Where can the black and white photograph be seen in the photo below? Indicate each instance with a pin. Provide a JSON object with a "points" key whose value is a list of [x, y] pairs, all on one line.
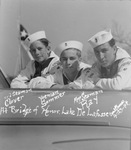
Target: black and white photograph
{"points": [[65, 74]]}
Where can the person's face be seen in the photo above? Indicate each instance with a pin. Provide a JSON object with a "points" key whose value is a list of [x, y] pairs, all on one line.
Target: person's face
{"points": [[105, 54], [70, 60], [39, 51]]}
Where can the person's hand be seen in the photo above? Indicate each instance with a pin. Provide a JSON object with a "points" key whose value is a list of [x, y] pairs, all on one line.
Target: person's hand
{"points": [[40, 83], [74, 85], [92, 74], [94, 79], [88, 85]]}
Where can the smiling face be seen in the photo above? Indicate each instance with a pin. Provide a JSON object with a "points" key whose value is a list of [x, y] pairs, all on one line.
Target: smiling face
{"points": [[70, 60], [105, 54], [39, 51]]}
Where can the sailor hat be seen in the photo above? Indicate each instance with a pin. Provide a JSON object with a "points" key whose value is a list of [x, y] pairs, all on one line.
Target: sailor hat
{"points": [[100, 38], [34, 37], [69, 44]]}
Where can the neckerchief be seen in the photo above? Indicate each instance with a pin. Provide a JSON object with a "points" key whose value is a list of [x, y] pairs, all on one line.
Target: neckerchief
{"points": [[67, 81], [41, 66]]}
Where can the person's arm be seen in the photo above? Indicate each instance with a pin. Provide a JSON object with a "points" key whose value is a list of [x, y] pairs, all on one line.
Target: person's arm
{"points": [[41, 82], [122, 78], [22, 80], [88, 78]]}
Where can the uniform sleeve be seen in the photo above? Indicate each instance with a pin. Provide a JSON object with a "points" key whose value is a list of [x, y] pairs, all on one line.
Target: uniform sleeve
{"points": [[90, 74], [21, 81], [121, 79], [58, 77], [41, 82], [54, 67]]}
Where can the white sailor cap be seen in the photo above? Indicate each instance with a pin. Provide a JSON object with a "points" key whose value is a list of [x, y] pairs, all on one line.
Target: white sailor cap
{"points": [[34, 37], [100, 38], [69, 44]]}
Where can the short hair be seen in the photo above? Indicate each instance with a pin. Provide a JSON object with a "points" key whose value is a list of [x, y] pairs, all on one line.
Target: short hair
{"points": [[78, 51], [112, 42], [45, 42]]}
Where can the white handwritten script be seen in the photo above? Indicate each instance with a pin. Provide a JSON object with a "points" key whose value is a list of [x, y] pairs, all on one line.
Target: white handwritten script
{"points": [[11, 99], [52, 97], [87, 101], [45, 102], [84, 104]]}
